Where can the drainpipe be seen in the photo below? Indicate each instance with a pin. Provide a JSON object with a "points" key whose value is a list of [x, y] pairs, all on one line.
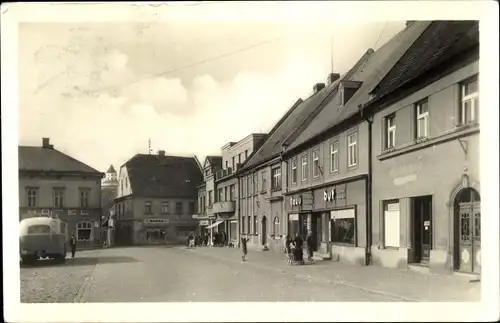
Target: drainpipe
{"points": [[368, 188]]}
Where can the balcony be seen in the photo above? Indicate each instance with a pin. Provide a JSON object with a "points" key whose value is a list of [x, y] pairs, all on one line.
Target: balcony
{"points": [[224, 207]]}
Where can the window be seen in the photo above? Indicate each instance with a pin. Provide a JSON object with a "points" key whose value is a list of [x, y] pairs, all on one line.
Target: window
{"points": [[315, 163], [84, 197], [221, 195], [276, 225], [264, 186], [390, 128], [294, 171], [304, 168], [470, 101], [249, 182], [352, 154], [164, 207], [234, 164], [226, 165], [58, 197], [276, 174], [226, 197], [334, 157], [391, 224], [210, 198], [255, 183], [191, 208], [239, 158], [84, 231], [246, 154], [422, 113], [255, 225], [249, 219], [343, 226], [39, 229], [178, 208], [126, 182], [148, 208], [243, 187], [32, 194]]}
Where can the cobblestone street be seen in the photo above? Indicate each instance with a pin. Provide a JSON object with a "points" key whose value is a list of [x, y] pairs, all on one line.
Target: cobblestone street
{"points": [[157, 274]]}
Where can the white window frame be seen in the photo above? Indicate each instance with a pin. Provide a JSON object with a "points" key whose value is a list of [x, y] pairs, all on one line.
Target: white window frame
{"points": [[294, 171], [58, 198], [32, 196], [276, 178], [352, 154], [165, 205], [304, 170], [83, 225], [84, 197], [422, 116], [146, 205], [315, 163], [469, 98], [334, 156], [390, 141]]}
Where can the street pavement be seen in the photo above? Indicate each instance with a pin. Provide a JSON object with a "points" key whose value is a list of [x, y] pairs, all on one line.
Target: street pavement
{"points": [[178, 274]]}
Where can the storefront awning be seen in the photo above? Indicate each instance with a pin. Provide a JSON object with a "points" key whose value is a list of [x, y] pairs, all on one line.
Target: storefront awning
{"points": [[214, 224]]}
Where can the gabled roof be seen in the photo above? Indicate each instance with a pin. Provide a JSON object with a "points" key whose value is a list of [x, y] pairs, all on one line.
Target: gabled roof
{"points": [[164, 176], [370, 74], [50, 159], [440, 42], [215, 161], [111, 170]]}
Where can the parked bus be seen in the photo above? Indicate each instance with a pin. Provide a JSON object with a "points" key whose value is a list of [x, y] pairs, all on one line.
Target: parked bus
{"points": [[42, 237]]}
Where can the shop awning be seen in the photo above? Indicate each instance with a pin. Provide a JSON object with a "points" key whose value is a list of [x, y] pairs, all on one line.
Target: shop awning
{"points": [[214, 224]]}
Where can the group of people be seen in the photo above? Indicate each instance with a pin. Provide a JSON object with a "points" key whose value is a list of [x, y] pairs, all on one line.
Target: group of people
{"points": [[219, 239], [294, 247]]}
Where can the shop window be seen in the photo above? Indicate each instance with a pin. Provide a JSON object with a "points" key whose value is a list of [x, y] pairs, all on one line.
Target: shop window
{"points": [[276, 225], [343, 226], [84, 231], [391, 224], [32, 193], [293, 225]]}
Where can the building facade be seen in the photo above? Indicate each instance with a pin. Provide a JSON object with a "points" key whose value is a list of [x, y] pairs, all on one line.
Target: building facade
{"points": [[157, 198], [109, 191], [426, 190], [208, 220], [52, 183]]}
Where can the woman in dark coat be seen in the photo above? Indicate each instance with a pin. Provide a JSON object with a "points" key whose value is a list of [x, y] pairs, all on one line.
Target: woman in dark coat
{"points": [[299, 243]]}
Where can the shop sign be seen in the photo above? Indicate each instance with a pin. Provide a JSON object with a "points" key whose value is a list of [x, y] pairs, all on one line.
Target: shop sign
{"points": [[154, 221], [204, 222], [295, 201], [333, 195]]}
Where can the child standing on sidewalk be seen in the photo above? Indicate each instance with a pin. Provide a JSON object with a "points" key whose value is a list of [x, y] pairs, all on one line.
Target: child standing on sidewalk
{"points": [[244, 247]]}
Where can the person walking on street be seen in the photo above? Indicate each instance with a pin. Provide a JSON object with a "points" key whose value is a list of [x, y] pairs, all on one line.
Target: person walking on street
{"points": [[244, 247], [309, 242], [72, 244]]}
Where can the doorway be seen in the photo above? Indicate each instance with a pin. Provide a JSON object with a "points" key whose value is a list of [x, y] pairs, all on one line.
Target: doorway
{"points": [[467, 231], [422, 229], [316, 230], [264, 230]]}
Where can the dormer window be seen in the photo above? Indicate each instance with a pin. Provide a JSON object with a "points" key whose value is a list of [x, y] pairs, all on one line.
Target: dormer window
{"points": [[347, 90]]}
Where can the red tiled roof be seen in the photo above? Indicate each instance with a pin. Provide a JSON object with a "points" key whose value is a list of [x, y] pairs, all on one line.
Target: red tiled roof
{"points": [[164, 176], [50, 159]]}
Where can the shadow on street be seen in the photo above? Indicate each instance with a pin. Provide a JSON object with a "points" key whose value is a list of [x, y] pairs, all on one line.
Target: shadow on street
{"points": [[83, 261]]}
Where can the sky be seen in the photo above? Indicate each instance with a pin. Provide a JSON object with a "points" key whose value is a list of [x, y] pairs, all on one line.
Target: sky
{"points": [[101, 90]]}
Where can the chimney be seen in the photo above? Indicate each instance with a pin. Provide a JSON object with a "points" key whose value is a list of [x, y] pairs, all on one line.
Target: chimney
{"points": [[46, 143], [332, 77], [318, 87], [409, 23], [161, 152]]}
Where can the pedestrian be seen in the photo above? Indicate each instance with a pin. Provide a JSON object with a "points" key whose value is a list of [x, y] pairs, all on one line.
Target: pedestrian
{"points": [[244, 248], [298, 253], [309, 242], [288, 243], [72, 244]]}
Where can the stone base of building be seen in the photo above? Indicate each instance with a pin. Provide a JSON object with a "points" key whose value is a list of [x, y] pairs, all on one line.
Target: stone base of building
{"points": [[390, 258], [349, 255]]}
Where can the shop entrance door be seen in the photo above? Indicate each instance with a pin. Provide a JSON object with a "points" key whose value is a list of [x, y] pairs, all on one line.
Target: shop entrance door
{"points": [[467, 230], [264, 230], [422, 229], [316, 230]]}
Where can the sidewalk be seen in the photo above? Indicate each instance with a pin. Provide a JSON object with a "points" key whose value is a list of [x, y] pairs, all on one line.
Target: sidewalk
{"points": [[397, 284]]}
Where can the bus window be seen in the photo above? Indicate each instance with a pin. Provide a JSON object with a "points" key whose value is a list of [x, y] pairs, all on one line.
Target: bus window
{"points": [[63, 228], [39, 228]]}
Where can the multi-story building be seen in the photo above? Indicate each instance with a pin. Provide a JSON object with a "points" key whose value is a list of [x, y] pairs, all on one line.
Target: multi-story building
{"points": [[207, 219], [52, 183], [327, 193], [157, 197], [426, 192], [225, 208]]}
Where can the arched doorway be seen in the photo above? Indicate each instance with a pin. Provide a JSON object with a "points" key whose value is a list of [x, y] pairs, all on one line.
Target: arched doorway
{"points": [[264, 230], [467, 231]]}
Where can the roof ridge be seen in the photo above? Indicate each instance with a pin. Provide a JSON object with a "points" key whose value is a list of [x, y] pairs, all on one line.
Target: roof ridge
{"points": [[78, 161]]}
